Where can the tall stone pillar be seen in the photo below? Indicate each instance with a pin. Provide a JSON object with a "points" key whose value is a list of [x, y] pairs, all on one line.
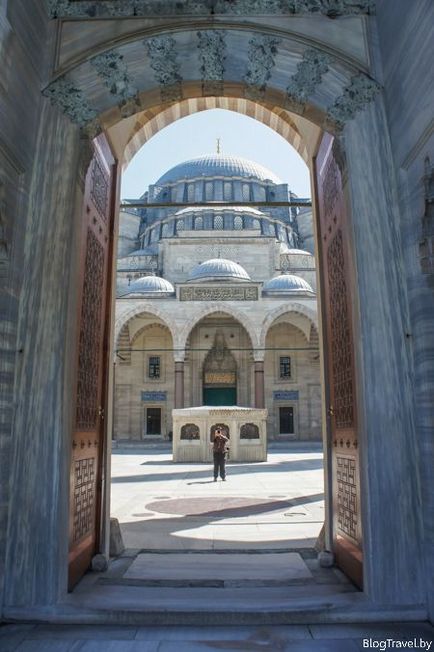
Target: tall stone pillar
{"points": [[179, 384], [259, 384]]}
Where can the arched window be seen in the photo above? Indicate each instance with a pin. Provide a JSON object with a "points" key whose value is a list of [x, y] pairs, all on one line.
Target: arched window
{"points": [[256, 224], [198, 223], [209, 190], [261, 194], [180, 226], [218, 223], [238, 223], [190, 192], [167, 229], [154, 234], [227, 191], [246, 192]]}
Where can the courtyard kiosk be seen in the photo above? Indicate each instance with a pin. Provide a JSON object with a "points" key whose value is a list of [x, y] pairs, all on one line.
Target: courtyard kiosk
{"points": [[193, 432]]}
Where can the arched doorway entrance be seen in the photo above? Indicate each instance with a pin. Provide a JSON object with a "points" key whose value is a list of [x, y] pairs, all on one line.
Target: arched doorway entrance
{"points": [[360, 166]]}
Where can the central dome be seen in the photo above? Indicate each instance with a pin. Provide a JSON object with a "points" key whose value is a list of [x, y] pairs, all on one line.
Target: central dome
{"points": [[219, 269], [218, 165]]}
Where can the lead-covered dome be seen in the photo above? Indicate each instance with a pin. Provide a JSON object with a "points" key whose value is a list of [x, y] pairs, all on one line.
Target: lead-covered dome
{"points": [[219, 269], [287, 284], [154, 285], [218, 165]]}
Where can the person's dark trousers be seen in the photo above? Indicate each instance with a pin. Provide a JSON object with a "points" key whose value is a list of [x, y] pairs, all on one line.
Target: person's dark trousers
{"points": [[219, 465]]}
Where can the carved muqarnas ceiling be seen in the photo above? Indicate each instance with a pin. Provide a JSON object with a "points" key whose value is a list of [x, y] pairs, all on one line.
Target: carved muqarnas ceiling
{"points": [[143, 8]]}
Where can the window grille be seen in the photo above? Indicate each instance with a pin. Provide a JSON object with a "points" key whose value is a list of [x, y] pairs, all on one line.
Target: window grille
{"points": [[227, 191], [261, 193], [180, 226], [190, 192], [285, 367], [218, 223], [238, 222], [209, 190], [198, 223], [246, 192], [154, 366]]}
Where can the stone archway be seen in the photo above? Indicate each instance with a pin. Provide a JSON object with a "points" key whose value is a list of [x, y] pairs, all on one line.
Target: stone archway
{"points": [[345, 102]]}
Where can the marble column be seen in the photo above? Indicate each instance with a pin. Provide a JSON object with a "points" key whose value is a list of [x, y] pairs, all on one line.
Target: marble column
{"points": [[259, 384], [179, 384]]}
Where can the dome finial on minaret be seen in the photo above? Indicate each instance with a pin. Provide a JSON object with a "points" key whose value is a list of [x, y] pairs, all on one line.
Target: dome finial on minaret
{"points": [[218, 145]]}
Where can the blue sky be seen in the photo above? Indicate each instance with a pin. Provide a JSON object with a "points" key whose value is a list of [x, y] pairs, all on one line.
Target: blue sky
{"points": [[196, 135]]}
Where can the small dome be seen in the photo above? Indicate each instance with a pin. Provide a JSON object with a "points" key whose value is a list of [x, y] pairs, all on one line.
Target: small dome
{"points": [[151, 285], [298, 252], [287, 284], [219, 269]]}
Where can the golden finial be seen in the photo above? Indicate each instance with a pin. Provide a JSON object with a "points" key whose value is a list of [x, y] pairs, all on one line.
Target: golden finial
{"points": [[218, 145]]}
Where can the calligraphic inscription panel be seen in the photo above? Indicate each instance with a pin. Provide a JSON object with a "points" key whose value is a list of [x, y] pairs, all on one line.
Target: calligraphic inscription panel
{"points": [[220, 378], [218, 294]]}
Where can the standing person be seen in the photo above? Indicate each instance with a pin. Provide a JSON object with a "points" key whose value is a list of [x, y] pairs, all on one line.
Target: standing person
{"points": [[220, 446]]}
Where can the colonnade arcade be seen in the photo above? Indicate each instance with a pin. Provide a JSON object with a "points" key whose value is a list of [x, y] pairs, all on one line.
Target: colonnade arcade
{"points": [[219, 357]]}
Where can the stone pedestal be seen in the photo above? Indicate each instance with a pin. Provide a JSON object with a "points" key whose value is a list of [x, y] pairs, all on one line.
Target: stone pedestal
{"points": [[192, 433]]}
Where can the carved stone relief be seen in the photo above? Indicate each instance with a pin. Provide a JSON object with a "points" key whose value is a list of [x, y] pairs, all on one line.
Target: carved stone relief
{"points": [[309, 74], [113, 70], [125, 8], [163, 60], [360, 92], [70, 100], [212, 54], [261, 53]]}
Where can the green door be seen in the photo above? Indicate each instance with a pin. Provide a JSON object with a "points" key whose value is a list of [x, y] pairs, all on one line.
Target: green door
{"points": [[220, 396]]}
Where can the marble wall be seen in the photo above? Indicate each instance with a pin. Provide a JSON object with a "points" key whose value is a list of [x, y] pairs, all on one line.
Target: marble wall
{"points": [[406, 47], [23, 33]]}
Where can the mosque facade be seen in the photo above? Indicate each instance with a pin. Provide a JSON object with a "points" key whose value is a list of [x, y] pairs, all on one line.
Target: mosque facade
{"points": [[216, 305]]}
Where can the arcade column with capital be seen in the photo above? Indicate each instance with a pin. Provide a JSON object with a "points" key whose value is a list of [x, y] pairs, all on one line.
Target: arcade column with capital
{"points": [[179, 384], [259, 384]]}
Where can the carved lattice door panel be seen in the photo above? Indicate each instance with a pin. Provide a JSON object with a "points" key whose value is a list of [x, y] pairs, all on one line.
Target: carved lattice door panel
{"points": [[93, 320], [333, 238]]}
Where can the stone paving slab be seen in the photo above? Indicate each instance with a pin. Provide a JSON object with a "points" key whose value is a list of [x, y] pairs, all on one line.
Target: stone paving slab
{"points": [[293, 638], [162, 505], [284, 567]]}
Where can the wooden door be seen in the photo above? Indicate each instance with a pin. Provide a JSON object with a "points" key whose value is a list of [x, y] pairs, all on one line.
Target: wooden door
{"points": [[92, 365], [337, 281]]}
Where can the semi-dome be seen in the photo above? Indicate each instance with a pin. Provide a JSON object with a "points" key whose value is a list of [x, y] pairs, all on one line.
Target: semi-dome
{"points": [[151, 285], [218, 165], [287, 284], [219, 269]]}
